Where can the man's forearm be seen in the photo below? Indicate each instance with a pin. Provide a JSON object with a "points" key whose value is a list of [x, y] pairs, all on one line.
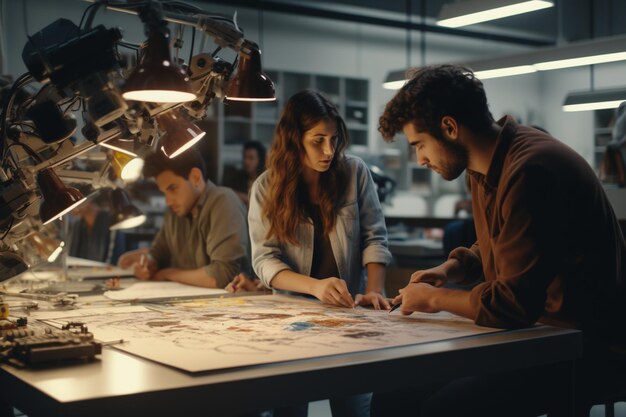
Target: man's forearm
{"points": [[197, 277], [453, 301]]}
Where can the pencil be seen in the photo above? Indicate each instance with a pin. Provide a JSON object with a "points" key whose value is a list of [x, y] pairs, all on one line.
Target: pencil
{"points": [[395, 307]]}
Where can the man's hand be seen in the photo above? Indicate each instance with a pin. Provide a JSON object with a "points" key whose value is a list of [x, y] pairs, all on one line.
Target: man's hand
{"points": [[145, 269], [375, 299], [434, 276], [417, 297], [243, 283], [333, 291], [127, 259]]}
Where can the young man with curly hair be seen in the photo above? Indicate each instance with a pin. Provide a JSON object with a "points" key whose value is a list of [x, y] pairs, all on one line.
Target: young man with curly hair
{"points": [[548, 244]]}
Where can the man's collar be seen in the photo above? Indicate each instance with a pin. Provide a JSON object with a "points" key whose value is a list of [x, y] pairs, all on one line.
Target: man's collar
{"points": [[202, 197], [503, 143]]}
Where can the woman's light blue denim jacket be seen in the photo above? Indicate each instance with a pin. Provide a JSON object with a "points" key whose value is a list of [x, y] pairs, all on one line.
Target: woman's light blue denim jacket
{"points": [[359, 236]]}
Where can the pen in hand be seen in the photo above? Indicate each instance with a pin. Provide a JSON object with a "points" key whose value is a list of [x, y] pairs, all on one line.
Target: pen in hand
{"points": [[395, 307]]}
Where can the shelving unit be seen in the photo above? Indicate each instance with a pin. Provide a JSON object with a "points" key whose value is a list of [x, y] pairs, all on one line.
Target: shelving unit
{"points": [[602, 134], [237, 122]]}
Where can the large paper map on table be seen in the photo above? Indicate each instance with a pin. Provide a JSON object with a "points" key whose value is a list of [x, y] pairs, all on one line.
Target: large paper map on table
{"points": [[221, 333]]}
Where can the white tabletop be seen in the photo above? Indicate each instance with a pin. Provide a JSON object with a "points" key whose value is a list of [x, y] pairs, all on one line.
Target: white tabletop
{"points": [[124, 385]]}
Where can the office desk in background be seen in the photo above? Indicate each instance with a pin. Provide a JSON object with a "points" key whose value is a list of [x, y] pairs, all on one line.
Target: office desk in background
{"points": [[120, 384]]}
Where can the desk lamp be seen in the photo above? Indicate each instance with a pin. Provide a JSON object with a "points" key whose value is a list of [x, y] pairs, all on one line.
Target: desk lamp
{"points": [[58, 199], [126, 214], [250, 83], [180, 134]]}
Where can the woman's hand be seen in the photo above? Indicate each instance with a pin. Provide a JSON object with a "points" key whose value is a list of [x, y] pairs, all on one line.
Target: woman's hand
{"points": [[333, 291], [374, 299]]}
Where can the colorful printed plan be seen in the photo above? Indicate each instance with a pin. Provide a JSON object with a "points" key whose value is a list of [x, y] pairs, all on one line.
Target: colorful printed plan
{"points": [[221, 333]]}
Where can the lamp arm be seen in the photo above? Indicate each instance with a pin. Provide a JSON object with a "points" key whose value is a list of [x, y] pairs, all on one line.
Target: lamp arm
{"points": [[65, 155], [223, 29], [6, 109]]}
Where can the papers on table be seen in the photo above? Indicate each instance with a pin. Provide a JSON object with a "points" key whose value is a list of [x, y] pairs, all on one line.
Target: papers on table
{"points": [[81, 262], [151, 290]]}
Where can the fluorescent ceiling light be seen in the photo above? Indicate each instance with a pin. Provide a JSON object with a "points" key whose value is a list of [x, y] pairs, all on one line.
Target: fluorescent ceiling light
{"points": [[395, 80], [394, 85], [504, 72], [594, 100], [585, 60], [596, 51], [464, 13]]}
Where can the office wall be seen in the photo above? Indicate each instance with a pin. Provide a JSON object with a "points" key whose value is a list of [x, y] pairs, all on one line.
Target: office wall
{"points": [[314, 45], [576, 129]]}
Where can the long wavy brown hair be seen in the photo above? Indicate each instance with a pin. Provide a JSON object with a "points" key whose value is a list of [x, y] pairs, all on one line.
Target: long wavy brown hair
{"points": [[287, 199]]}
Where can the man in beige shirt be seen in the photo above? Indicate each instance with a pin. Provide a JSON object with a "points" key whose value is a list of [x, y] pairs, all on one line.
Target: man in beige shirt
{"points": [[204, 238]]}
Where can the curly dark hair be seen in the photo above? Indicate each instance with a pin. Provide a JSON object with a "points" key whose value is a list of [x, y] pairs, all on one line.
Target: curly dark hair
{"points": [[433, 92], [156, 162]]}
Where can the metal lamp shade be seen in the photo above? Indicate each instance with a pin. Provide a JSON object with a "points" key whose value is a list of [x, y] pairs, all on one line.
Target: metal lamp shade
{"points": [[157, 79], [180, 134], [120, 145], [58, 199], [126, 167], [126, 214], [11, 264], [250, 83]]}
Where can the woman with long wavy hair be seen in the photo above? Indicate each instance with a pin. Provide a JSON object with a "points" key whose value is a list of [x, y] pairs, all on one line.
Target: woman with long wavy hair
{"points": [[316, 225], [315, 219]]}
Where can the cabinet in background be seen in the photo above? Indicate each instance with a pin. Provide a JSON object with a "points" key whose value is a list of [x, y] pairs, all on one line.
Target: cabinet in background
{"points": [[603, 121]]}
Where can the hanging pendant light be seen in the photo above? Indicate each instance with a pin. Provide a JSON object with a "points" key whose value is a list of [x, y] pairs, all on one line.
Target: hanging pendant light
{"points": [[58, 199], [119, 145], [250, 83], [180, 133], [157, 79], [609, 98], [11, 265], [126, 167], [126, 215], [470, 12]]}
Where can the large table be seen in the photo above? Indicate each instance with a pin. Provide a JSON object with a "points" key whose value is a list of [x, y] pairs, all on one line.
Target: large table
{"points": [[120, 384]]}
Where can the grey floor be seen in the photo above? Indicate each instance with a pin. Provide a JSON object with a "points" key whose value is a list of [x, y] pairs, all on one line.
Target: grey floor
{"points": [[322, 409], [598, 410], [319, 409]]}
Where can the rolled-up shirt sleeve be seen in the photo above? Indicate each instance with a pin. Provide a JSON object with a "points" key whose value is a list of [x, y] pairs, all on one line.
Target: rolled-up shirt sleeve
{"points": [[528, 247], [470, 261], [266, 252], [371, 219], [226, 243]]}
